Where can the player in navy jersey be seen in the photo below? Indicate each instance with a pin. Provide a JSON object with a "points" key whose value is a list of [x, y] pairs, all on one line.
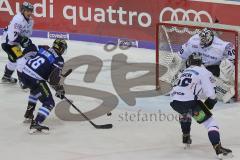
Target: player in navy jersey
{"points": [[45, 67]]}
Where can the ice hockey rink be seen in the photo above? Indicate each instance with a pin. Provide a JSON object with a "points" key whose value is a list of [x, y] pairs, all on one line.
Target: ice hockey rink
{"points": [[136, 140]]}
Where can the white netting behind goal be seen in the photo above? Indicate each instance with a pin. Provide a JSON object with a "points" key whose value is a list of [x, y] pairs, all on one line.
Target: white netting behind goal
{"points": [[172, 35]]}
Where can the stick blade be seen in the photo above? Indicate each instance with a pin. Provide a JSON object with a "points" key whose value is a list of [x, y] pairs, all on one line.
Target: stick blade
{"points": [[105, 126], [67, 73]]}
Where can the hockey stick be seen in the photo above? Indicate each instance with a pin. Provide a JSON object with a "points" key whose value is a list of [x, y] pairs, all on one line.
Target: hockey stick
{"points": [[67, 73], [105, 126]]}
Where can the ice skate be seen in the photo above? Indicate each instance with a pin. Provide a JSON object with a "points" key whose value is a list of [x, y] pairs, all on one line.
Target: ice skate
{"points": [[9, 80], [222, 153], [35, 127], [29, 114], [186, 139]]}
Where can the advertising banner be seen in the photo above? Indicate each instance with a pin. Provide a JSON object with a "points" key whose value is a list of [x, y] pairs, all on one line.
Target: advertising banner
{"points": [[133, 19]]}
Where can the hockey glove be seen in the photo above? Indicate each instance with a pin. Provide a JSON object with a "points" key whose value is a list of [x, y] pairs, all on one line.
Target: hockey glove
{"points": [[60, 92], [25, 42], [210, 103]]}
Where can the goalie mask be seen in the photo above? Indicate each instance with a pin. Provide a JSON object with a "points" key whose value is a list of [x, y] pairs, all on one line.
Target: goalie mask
{"points": [[60, 46], [206, 37], [194, 59]]}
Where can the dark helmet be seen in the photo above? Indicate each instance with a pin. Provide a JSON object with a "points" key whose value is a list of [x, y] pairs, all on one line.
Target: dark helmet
{"points": [[26, 6], [60, 46], [194, 59], [206, 37]]}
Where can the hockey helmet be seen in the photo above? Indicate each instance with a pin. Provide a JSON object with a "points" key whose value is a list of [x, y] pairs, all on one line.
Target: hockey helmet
{"points": [[60, 46], [206, 37], [26, 6], [194, 59]]}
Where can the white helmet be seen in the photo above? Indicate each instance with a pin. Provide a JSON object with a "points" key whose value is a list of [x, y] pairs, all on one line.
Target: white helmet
{"points": [[26, 6]]}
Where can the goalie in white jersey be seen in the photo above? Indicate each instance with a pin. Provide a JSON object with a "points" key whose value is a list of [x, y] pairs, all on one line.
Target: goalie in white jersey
{"points": [[218, 57], [213, 50], [15, 36], [194, 81]]}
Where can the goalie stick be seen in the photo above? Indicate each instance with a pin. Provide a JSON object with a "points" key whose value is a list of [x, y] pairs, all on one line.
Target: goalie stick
{"points": [[104, 126]]}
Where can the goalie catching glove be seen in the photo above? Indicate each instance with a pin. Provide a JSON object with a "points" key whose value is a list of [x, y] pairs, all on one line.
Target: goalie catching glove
{"points": [[225, 83]]}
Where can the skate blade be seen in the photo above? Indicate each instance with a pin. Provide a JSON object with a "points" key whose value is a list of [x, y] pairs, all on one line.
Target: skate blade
{"points": [[187, 146], [27, 121], [37, 132], [167, 95], [228, 156], [25, 90], [13, 83]]}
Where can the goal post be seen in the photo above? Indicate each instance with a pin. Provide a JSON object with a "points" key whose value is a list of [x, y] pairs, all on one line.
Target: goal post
{"points": [[170, 36]]}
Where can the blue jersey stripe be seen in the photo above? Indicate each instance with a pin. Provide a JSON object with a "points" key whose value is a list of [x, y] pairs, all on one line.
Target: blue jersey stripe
{"points": [[47, 55]]}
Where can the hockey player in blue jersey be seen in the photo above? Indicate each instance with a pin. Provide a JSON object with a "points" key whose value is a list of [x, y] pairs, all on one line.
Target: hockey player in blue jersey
{"points": [[45, 67]]}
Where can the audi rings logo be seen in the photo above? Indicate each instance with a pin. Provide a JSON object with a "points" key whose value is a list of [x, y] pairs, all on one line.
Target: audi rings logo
{"points": [[180, 14]]}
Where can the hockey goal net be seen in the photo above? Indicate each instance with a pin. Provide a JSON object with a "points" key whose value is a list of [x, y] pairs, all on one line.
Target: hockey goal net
{"points": [[172, 35]]}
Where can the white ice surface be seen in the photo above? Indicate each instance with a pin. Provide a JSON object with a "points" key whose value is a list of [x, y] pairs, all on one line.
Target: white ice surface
{"points": [[159, 140]]}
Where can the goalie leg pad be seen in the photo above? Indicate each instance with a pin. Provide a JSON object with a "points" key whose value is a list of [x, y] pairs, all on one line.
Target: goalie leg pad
{"points": [[224, 91], [227, 71]]}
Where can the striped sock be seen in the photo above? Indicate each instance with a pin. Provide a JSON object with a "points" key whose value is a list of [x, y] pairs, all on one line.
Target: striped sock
{"points": [[43, 113], [32, 99]]}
